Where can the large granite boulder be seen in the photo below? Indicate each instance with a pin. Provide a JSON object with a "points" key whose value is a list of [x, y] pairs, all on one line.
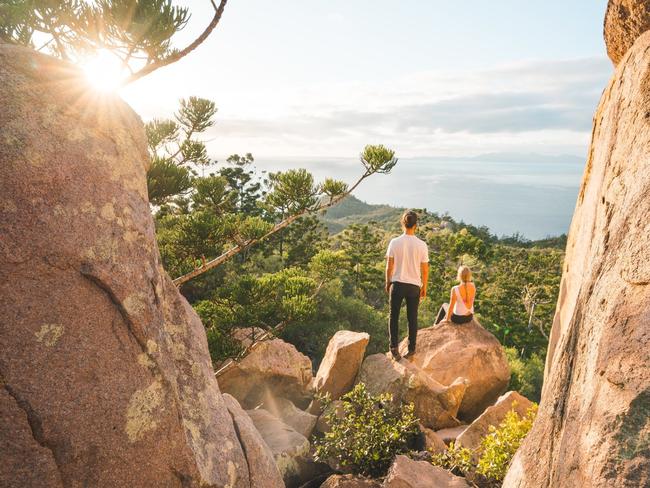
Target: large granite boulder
{"points": [[262, 469], [273, 368], [435, 405], [407, 473], [493, 416], [105, 370], [625, 21], [592, 426], [289, 448], [447, 351], [341, 363]]}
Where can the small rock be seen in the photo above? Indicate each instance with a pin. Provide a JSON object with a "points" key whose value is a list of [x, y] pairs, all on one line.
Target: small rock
{"points": [[322, 425], [432, 441], [406, 473], [301, 421], [350, 481], [289, 447], [451, 434]]}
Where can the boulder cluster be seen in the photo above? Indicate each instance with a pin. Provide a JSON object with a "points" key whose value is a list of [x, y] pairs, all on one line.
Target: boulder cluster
{"points": [[454, 382]]}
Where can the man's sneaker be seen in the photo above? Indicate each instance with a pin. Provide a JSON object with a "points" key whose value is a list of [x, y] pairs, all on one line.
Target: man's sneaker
{"points": [[395, 353], [409, 355]]}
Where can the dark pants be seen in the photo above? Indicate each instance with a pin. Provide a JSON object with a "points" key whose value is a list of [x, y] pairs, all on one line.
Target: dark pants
{"points": [[456, 319], [398, 293]]}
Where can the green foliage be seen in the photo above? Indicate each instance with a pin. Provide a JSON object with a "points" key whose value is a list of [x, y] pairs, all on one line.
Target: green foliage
{"points": [[456, 459], [526, 374], [378, 159], [500, 445], [495, 452], [175, 150], [140, 30], [369, 434]]}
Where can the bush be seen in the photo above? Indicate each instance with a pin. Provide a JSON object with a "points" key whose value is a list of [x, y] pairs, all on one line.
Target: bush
{"points": [[369, 434], [500, 445], [456, 459], [495, 452], [526, 374]]}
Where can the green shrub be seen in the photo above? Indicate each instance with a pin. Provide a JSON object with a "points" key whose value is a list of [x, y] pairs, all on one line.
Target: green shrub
{"points": [[494, 453], [526, 374], [499, 446], [369, 434], [456, 459]]}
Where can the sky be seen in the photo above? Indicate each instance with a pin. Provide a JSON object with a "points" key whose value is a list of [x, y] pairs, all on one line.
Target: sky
{"points": [[438, 78]]}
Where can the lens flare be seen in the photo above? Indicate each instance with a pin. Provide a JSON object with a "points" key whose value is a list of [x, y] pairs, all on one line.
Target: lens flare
{"points": [[104, 71]]}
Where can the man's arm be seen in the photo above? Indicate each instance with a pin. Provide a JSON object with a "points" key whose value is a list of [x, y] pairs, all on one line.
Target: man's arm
{"points": [[390, 267], [424, 272]]}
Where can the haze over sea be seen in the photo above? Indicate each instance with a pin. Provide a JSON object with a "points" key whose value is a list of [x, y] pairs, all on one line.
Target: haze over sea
{"points": [[527, 194]]}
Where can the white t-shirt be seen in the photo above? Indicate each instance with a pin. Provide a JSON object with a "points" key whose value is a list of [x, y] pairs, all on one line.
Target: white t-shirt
{"points": [[409, 253]]}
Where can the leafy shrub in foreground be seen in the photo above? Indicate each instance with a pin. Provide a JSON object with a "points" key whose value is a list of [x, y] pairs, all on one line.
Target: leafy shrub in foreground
{"points": [[369, 434], [500, 445], [495, 452]]}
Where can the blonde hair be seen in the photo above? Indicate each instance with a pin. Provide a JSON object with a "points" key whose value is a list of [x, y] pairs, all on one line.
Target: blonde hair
{"points": [[464, 274]]}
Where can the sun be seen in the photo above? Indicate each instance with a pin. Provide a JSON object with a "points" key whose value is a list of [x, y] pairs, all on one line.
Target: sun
{"points": [[104, 71]]}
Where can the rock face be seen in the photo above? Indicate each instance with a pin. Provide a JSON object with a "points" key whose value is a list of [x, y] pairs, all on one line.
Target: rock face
{"points": [[272, 369], [435, 405], [105, 371], [406, 473], [447, 351], [349, 481], [341, 363], [299, 420], [592, 427], [625, 21], [287, 445], [493, 415], [262, 470]]}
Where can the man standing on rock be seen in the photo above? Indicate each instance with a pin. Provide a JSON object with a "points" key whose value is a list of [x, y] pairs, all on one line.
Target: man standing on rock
{"points": [[407, 273]]}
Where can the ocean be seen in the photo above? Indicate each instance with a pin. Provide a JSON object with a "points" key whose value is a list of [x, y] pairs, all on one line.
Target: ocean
{"points": [[535, 199]]}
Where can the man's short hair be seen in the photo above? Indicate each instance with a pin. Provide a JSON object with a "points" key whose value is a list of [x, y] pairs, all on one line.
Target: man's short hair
{"points": [[409, 219]]}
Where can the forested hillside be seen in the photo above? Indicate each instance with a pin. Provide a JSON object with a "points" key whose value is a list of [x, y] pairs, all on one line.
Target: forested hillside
{"points": [[324, 272]]}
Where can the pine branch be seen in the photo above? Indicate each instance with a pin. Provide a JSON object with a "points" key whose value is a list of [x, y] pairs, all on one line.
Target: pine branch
{"points": [[183, 52], [276, 228]]}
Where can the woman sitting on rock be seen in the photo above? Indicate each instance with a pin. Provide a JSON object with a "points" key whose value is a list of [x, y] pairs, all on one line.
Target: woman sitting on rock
{"points": [[460, 309]]}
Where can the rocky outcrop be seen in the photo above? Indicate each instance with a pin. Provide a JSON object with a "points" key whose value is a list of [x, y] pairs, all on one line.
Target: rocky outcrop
{"points": [[105, 372], [407, 473], [625, 21], [435, 405], [289, 448], [471, 437], [262, 470], [273, 369], [349, 481], [592, 426], [447, 351], [341, 363], [299, 420]]}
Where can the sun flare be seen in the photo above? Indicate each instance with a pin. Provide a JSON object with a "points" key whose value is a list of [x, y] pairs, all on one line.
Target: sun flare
{"points": [[104, 71]]}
